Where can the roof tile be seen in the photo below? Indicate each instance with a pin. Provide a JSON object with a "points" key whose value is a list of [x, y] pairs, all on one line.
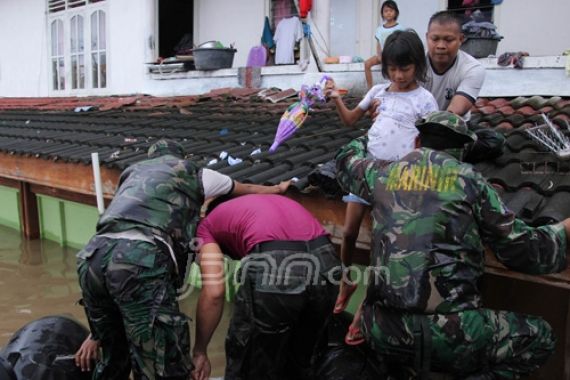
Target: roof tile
{"points": [[533, 182]]}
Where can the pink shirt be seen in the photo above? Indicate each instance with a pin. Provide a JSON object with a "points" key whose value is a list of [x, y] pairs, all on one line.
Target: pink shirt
{"points": [[240, 223]]}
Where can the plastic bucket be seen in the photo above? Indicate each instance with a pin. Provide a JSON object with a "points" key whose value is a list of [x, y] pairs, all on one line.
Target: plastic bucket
{"points": [[480, 47], [213, 58], [35, 351]]}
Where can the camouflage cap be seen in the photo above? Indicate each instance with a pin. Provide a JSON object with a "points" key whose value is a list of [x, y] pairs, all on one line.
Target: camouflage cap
{"points": [[164, 147], [448, 125]]}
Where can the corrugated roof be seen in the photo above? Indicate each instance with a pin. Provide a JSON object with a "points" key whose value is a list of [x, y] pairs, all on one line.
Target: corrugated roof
{"points": [[535, 184]]}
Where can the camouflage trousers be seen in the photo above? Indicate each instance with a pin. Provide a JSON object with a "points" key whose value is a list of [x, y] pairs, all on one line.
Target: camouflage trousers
{"points": [[130, 301], [276, 326], [478, 344]]}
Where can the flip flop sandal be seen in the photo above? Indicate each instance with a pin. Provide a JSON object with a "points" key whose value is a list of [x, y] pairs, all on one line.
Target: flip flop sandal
{"points": [[354, 336], [342, 303]]}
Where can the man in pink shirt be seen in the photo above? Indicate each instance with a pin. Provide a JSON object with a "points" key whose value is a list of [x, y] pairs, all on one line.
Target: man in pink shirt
{"points": [[288, 276]]}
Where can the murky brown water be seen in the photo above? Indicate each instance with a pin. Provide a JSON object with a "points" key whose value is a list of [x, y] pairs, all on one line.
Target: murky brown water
{"points": [[38, 278]]}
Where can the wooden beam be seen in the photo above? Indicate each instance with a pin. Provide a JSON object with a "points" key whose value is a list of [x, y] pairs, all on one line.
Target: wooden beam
{"points": [[29, 212], [68, 195], [9, 182], [76, 178]]}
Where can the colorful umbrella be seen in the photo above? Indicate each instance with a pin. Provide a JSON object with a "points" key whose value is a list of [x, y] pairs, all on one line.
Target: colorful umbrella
{"points": [[297, 113]]}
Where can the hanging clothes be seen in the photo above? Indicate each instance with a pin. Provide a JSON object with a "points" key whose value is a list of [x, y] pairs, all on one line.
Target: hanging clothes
{"points": [[304, 7], [267, 35], [288, 32]]}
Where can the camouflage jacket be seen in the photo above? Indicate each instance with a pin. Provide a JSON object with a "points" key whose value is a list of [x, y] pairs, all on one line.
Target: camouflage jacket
{"points": [[432, 216], [163, 195]]}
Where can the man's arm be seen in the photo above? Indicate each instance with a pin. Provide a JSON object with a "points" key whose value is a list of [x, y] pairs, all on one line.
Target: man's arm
{"points": [[460, 104], [248, 188], [533, 250], [216, 184], [356, 173], [468, 91], [210, 307]]}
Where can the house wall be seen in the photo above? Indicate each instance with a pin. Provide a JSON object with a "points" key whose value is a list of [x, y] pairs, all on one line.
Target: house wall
{"points": [[9, 206], [132, 38], [240, 22], [23, 43], [413, 14], [538, 27]]}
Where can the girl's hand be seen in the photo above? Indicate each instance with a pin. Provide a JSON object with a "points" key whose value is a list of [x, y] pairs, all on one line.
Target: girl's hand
{"points": [[374, 109], [330, 89]]}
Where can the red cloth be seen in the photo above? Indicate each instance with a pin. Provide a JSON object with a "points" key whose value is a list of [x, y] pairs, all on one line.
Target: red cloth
{"points": [[304, 7], [239, 224]]}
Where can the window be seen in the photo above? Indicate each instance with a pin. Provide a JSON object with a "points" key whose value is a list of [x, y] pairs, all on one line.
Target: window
{"points": [[472, 10], [55, 6], [77, 53], [57, 55], [77, 30], [98, 54]]}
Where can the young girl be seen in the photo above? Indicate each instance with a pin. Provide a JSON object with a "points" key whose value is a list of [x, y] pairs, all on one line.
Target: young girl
{"points": [[389, 13], [391, 136]]}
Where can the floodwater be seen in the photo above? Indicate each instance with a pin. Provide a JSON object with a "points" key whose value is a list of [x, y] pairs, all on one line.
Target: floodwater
{"points": [[38, 278]]}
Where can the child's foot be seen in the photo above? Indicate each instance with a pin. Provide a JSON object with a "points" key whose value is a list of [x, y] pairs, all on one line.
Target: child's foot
{"points": [[354, 335], [343, 297]]}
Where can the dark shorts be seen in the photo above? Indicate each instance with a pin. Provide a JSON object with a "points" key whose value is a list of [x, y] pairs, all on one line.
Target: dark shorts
{"points": [[280, 312]]}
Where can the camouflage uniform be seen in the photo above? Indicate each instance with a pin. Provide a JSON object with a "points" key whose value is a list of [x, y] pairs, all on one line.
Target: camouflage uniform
{"points": [[432, 217], [130, 269]]}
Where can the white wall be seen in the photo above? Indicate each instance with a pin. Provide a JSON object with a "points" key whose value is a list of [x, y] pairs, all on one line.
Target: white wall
{"points": [[131, 31], [132, 27], [415, 14], [230, 21], [23, 43], [539, 27], [343, 28]]}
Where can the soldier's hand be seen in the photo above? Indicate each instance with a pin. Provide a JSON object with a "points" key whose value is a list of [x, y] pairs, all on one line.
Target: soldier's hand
{"points": [[202, 367], [283, 186], [87, 353]]}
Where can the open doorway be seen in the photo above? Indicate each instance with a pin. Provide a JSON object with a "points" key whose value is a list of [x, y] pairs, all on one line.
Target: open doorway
{"points": [[175, 27], [472, 10]]}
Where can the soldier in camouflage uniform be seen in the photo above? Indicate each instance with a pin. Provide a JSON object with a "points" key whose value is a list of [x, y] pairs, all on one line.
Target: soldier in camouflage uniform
{"points": [[432, 217], [130, 270]]}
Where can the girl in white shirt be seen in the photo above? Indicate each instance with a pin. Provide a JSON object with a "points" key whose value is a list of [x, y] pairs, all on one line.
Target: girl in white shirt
{"points": [[392, 134]]}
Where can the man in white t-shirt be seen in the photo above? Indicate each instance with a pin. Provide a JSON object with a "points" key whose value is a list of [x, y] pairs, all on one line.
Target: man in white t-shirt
{"points": [[453, 76]]}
